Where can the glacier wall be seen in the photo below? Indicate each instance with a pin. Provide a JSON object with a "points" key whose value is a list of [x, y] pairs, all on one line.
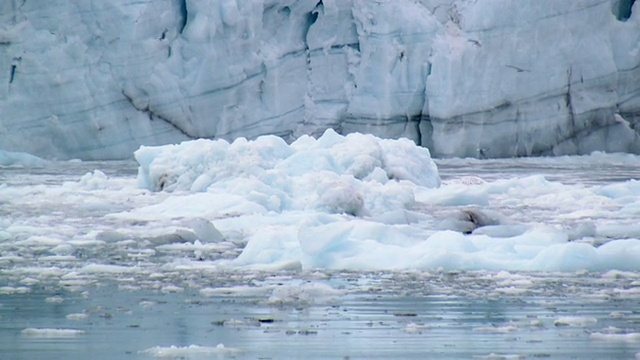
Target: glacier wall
{"points": [[95, 79]]}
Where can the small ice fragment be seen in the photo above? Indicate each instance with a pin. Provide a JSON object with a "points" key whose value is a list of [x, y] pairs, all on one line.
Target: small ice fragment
{"points": [[190, 351], [8, 290], [617, 314], [146, 303], [496, 329], [205, 230], [28, 281], [111, 236], [307, 332], [413, 328], [494, 356], [171, 289], [54, 299], [177, 236], [51, 333], [629, 337], [575, 321], [77, 316]]}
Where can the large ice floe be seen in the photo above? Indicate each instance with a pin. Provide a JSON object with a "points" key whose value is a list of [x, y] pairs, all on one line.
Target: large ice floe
{"points": [[364, 203]]}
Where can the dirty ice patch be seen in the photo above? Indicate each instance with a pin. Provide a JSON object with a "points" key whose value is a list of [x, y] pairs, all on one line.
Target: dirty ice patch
{"points": [[355, 174]]}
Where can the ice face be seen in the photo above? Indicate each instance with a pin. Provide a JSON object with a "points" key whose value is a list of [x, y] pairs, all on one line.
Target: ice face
{"points": [[94, 80]]}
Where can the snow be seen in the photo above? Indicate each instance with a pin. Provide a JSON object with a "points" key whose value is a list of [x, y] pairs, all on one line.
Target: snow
{"points": [[464, 78]]}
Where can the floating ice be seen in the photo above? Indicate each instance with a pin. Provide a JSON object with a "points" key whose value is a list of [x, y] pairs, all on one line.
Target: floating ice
{"points": [[354, 202], [414, 328], [354, 174], [494, 356], [628, 337], [293, 293], [77, 316], [20, 159], [497, 329], [290, 207], [189, 351], [51, 333], [8, 290], [578, 321], [303, 294]]}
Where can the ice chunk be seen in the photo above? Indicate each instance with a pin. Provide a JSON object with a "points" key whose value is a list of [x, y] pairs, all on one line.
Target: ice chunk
{"points": [[51, 333], [205, 230], [77, 316], [340, 197], [340, 174], [579, 321], [190, 351], [566, 257], [8, 158], [628, 337], [203, 162]]}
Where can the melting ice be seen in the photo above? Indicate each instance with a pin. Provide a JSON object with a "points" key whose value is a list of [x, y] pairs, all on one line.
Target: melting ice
{"points": [[357, 202], [337, 202]]}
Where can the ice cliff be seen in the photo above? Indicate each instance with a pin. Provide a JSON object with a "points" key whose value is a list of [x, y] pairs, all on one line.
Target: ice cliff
{"points": [[95, 79]]}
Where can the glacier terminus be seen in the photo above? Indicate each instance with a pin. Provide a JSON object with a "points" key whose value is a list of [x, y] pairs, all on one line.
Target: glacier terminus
{"points": [[96, 79]]}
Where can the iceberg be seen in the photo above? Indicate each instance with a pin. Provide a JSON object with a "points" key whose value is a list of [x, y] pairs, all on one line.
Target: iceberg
{"points": [[363, 203], [10, 159], [353, 174], [95, 80]]}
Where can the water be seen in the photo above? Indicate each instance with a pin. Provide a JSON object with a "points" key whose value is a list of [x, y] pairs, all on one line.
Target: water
{"points": [[440, 320], [124, 314]]}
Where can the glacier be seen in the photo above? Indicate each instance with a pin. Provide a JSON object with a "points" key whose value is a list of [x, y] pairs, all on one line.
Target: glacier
{"points": [[499, 78]]}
